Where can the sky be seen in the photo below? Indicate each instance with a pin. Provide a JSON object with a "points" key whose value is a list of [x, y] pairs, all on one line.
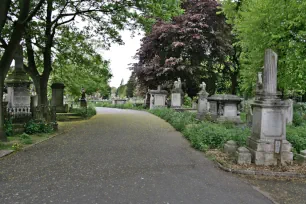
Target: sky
{"points": [[121, 56]]}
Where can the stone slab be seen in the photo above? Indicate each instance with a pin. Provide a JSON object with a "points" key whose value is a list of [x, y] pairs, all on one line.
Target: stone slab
{"points": [[5, 152]]}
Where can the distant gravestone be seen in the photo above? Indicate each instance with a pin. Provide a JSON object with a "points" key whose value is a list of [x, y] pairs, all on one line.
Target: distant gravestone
{"points": [[203, 104], [177, 95], [267, 143], [57, 100]]}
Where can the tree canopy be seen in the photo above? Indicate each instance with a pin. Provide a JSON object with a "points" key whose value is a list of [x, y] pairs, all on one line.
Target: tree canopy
{"points": [[193, 46], [279, 25]]}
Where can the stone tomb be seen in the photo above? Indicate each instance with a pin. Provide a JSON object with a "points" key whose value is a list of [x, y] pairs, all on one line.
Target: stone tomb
{"points": [[224, 107], [119, 101], [267, 143], [57, 100], [158, 98]]}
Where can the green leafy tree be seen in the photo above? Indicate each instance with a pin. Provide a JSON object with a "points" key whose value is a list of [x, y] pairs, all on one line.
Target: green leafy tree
{"points": [[14, 16], [279, 25]]}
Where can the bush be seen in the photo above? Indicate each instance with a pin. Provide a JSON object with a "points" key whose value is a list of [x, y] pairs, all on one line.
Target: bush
{"points": [[187, 101], [38, 126], [136, 106], [85, 112], [297, 137], [299, 114], [8, 126], [25, 139], [203, 135]]}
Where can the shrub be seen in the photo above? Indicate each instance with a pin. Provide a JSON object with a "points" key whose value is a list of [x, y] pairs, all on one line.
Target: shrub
{"points": [[187, 101], [25, 138], [38, 126], [85, 112], [203, 135], [297, 137], [8, 126]]}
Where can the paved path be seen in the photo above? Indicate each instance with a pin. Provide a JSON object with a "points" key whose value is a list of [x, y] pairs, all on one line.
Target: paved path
{"points": [[119, 156]]}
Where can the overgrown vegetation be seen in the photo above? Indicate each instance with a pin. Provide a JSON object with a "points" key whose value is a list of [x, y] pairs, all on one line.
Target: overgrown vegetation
{"points": [[85, 112], [122, 106], [38, 126], [204, 135]]}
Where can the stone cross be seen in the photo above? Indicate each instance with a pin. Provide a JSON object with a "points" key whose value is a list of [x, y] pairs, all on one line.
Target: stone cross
{"points": [[270, 73]]}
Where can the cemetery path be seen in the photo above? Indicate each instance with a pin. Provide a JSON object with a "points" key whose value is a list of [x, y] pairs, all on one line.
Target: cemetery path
{"points": [[119, 156]]}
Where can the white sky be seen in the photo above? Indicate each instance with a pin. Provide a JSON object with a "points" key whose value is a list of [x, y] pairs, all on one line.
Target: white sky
{"points": [[121, 56]]}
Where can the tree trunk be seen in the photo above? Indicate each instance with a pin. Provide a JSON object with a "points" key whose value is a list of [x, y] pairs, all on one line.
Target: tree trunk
{"points": [[2, 131]]}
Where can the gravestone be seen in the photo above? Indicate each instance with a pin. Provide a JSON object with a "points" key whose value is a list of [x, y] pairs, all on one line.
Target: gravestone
{"points": [[57, 100], [177, 95], [267, 143], [203, 104], [224, 107], [289, 111], [18, 92], [158, 98]]}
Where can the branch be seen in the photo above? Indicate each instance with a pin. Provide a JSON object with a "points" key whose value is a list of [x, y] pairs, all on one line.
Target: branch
{"points": [[33, 13], [59, 24], [4, 8], [4, 44]]}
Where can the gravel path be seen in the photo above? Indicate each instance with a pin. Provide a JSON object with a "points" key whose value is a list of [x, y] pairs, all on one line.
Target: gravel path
{"points": [[119, 156]]}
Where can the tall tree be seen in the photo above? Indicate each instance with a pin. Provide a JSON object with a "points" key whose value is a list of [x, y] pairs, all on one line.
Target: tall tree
{"points": [[103, 20], [11, 32], [262, 24], [193, 46]]}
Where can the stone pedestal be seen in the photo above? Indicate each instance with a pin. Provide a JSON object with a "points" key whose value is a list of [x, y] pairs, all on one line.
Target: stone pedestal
{"points": [[158, 98], [225, 107], [267, 143], [177, 95], [57, 100]]}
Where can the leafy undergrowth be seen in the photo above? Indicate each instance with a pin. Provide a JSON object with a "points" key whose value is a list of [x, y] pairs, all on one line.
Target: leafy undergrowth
{"points": [[205, 135], [85, 112]]}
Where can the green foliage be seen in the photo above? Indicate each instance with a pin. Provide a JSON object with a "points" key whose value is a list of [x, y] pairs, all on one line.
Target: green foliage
{"points": [[187, 101], [8, 126], [85, 112], [122, 106], [279, 25], [299, 114], [297, 137], [203, 135], [38, 126], [25, 138], [17, 146]]}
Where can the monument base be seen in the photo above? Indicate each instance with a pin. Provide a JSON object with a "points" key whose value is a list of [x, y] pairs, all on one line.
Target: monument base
{"points": [[270, 152]]}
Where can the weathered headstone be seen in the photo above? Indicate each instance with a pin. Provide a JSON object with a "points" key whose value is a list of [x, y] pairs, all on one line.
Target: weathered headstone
{"points": [[203, 104], [158, 98], [267, 143], [289, 111], [243, 156], [230, 147], [57, 100]]}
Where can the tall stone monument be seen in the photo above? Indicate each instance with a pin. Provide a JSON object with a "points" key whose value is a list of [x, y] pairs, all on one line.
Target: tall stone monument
{"points": [[18, 91], [58, 97], [177, 94], [203, 104], [158, 98], [267, 143]]}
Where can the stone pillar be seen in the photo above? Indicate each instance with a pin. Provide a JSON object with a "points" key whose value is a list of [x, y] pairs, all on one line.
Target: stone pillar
{"points": [[57, 100], [203, 104], [267, 143], [270, 73]]}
